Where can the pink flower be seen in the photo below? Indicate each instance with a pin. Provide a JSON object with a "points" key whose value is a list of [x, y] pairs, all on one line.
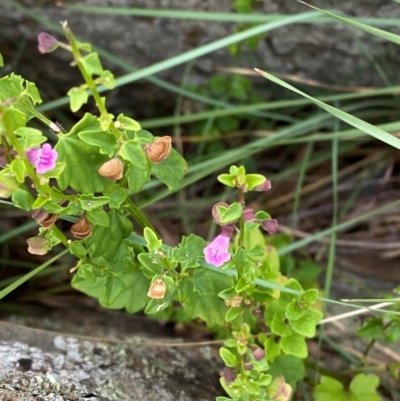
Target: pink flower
{"points": [[216, 253], [43, 159], [266, 186], [46, 43], [270, 225]]}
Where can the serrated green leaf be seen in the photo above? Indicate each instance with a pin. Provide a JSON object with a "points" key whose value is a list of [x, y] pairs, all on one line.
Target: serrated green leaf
{"points": [[272, 348], [32, 137], [363, 388], [107, 79], [372, 329], [135, 154], [87, 273], [82, 160], [305, 324], [330, 389], [32, 92], [11, 87], [91, 63], [13, 119], [189, 251], [78, 97], [106, 141], [294, 345], [290, 367], [112, 288], [171, 170], [117, 197], [150, 266]]}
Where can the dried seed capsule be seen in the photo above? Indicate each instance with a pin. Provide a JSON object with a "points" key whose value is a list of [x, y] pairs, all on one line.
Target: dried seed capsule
{"points": [[82, 228], [158, 150], [45, 219], [38, 245], [157, 289], [113, 169]]}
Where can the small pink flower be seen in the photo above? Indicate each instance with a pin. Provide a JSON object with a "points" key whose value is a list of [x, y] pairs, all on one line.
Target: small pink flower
{"points": [[46, 43], [248, 214], [216, 253], [43, 159], [270, 225]]}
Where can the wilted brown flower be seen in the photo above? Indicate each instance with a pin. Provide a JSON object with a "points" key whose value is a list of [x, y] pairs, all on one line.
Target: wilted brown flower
{"points": [[157, 289], [158, 150], [82, 228], [113, 169], [38, 245], [45, 219]]}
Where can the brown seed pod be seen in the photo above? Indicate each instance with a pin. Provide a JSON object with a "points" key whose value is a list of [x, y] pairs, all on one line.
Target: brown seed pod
{"points": [[82, 228], [158, 150], [157, 289], [38, 245], [45, 219], [113, 169]]}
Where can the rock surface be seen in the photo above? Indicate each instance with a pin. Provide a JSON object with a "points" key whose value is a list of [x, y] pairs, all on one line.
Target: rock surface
{"points": [[36, 364]]}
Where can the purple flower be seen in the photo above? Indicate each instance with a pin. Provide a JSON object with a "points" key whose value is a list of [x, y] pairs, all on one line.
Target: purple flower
{"points": [[216, 252], [43, 159], [46, 43]]}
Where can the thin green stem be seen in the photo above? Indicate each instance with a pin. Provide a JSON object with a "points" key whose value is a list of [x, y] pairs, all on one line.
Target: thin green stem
{"points": [[139, 216]]}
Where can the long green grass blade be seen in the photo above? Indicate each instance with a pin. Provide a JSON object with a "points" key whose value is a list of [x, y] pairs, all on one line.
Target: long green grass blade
{"points": [[31, 274], [367, 28], [348, 118]]}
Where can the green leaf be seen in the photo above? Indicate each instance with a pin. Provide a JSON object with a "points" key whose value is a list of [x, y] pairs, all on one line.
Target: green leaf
{"points": [[261, 215], [128, 123], [82, 160], [13, 119], [106, 241], [152, 240], [22, 199], [8, 183], [363, 388], [203, 302], [233, 213], [228, 357], [137, 177], [112, 288], [87, 273], [171, 170], [32, 92], [368, 128], [33, 138], [92, 64], [98, 217], [294, 345], [305, 324], [290, 367], [189, 251], [150, 266], [233, 313], [107, 79], [56, 172], [253, 180], [372, 329], [330, 389], [89, 201], [77, 248], [272, 348], [135, 154], [11, 87], [78, 97], [106, 141], [17, 167], [1, 61], [392, 333], [117, 197], [227, 179]]}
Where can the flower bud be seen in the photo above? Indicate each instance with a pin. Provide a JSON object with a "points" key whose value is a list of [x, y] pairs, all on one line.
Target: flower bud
{"points": [[279, 390], [157, 289], [265, 186], [38, 245], [228, 375], [45, 219], [270, 225], [113, 169], [46, 43], [248, 214], [82, 228], [258, 354], [215, 213], [248, 366], [158, 150]]}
